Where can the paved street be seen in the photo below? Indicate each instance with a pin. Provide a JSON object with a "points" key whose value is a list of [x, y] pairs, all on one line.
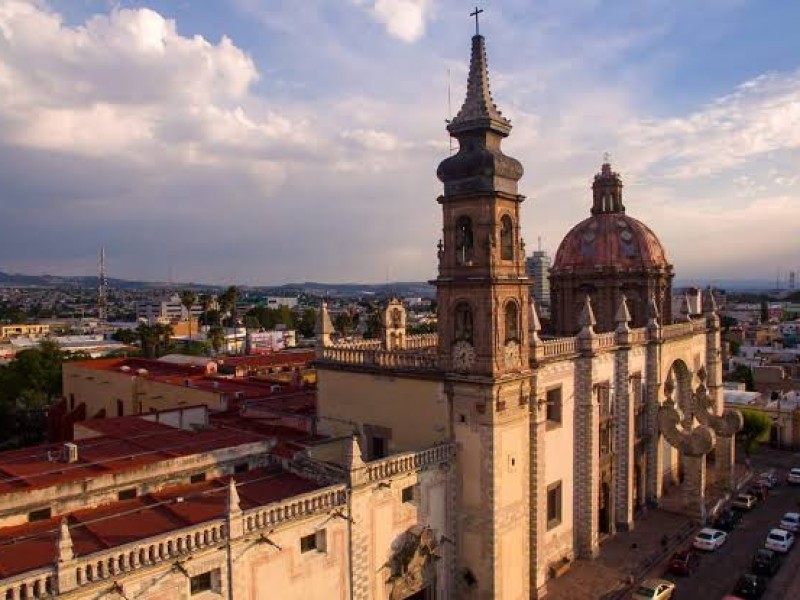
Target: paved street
{"points": [[719, 571]]}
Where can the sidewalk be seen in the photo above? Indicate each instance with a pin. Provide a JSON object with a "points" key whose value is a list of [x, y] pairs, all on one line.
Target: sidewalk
{"points": [[627, 554]]}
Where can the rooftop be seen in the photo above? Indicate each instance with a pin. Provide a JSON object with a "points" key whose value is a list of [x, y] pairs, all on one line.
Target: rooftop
{"points": [[33, 545]]}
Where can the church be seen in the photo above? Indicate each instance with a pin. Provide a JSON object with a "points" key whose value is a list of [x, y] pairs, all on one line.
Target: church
{"points": [[472, 463]]}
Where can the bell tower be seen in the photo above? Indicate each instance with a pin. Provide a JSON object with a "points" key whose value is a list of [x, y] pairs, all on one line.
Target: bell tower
{"points": [[483, 297]]}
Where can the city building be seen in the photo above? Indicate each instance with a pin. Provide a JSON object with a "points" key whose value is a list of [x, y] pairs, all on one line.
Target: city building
{"points": [[7, 332], [473, 463], [277, 301], [166, 310], [537, 266]]}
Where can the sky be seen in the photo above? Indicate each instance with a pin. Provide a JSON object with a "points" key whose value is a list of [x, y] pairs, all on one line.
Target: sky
{"points": [[267, 141]]}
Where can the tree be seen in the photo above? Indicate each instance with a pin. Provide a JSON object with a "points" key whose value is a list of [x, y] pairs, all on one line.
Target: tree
{"points": [[126, 336], [374, 328], [343, 323], [189, 299], [757, 426], [764, 312], [205, 305], [744, 374], [306, 323], [227, 303], [422, 328], [735, 345], [216, 336]]}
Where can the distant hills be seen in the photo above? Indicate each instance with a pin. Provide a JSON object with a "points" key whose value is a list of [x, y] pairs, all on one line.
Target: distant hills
{"points": [[399, 288]]}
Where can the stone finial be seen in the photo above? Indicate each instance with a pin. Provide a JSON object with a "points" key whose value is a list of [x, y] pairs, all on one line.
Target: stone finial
{"points": [[709, 302], [686, 307], [623, 316], [324, 326], [479, 110], [233, 504], [652, 312], [534, 325], [353, 455], [64, 548], [586, 319]]}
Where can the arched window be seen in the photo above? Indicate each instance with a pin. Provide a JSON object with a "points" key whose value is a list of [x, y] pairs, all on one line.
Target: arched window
{"points": [[397, 318], [506, 238], [463, 322], [512, 322], [465, 241]]}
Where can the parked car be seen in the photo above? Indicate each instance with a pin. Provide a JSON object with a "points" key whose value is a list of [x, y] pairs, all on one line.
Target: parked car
{"points": [[728, 520], [779, 540], [791, 522], [765, 563], [744, 502], [709, 539], [655, 589], [794, 476], [768, 478], [684, 562], [759, 490], [750, 586]]}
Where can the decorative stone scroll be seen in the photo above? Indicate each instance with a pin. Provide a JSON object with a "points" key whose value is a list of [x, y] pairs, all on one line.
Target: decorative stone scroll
{"points": [[727, 424], [413, 564]]}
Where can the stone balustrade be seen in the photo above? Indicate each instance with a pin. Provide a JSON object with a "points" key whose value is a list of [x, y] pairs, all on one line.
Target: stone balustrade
{"points": [[606, 340], [422, 341], [35, 584], [676, 330], [371, 344], [408, 462], [397, 359], [638, 337], [297, 507], [560, 347]]}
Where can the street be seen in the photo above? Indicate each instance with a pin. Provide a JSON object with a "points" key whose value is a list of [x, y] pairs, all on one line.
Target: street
{"points": [[720, 570]]}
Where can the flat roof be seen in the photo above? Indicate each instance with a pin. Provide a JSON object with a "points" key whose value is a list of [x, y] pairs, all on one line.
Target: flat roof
{"points": [[126, 444], [31, 546]]}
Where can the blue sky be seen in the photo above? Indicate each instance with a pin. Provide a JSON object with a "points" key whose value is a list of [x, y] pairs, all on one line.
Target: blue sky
{"points": [[257, 141]]}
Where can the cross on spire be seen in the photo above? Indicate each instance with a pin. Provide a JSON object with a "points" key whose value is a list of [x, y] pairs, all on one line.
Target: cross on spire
{"points": [[607, 157], [475, 14]]}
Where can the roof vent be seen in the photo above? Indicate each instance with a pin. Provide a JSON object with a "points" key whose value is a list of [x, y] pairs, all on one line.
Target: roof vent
{"points": [[125, 368], [70, 454]]}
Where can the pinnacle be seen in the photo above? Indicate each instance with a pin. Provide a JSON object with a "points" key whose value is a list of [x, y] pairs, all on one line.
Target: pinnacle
{"points": [[479, 109]]}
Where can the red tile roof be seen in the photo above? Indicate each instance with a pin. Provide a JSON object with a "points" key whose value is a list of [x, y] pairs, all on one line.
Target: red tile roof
{"points": [[33, 545]]}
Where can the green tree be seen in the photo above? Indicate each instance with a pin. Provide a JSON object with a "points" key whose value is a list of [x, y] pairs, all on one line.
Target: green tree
{"points": [[306, 322], [757, 426], [421, 328], [343, 323], [744, 374], [227, 303], [205, 305], [216, 337], [374, 327], [126, 336], [188, 300], [735, 345], [764, 312], [148, 339]]}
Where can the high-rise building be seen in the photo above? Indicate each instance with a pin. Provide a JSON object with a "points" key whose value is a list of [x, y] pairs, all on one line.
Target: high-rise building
{"points": [[538, 268]]}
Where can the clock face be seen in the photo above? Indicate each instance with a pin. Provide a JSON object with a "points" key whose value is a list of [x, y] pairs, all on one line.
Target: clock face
{"points": [[512, 354], [463, 356]]}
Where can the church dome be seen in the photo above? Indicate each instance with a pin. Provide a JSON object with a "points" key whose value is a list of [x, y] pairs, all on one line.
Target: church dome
{"points": [[610, 238]]}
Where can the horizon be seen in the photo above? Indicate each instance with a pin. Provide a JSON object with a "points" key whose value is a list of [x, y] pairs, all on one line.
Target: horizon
{"points": [[221, 146]]}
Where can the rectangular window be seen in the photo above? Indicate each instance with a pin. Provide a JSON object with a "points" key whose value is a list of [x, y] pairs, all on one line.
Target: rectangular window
{"points": [[40, 515], [378, 447], [553, 505], [241, 468], [314, 541], [128, 494], [554, 405], [200, 583], [197, 478], [408, 494]]}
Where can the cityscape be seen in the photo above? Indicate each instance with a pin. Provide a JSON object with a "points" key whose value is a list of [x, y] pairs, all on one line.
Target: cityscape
{"points": [[274, 326]]}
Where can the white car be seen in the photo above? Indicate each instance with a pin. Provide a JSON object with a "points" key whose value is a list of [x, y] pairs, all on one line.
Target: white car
{"points": [[794, 476], [768, 478], [744, 501], [709, 539], [779, 540], [791, 522], [655, 589]]}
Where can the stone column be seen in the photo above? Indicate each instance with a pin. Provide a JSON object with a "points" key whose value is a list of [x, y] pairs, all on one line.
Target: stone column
{"points": [[652, 390], [694, 485], [624, 433], [360, 564], [587, 447]]}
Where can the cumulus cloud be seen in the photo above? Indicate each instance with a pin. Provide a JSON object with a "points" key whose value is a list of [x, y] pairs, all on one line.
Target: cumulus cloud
{"points": [[403, 19]]}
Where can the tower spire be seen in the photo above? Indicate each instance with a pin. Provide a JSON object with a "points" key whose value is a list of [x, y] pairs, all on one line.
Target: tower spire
{"points": [[607, 190], [479, 110]]}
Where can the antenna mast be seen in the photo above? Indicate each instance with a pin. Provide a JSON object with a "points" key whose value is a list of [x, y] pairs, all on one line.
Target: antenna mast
{"points": [[102, 285]]}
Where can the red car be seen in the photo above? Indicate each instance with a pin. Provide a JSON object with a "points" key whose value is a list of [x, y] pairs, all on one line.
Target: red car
{"points": [[684, 562]]}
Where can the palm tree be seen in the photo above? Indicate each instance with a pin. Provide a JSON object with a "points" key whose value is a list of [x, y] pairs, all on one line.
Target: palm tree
{"points": [[205, 304], [216, 335], [188, 299]]}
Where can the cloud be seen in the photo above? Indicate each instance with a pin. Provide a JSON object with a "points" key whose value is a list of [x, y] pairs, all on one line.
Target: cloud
{"points": [[403, 19]]}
